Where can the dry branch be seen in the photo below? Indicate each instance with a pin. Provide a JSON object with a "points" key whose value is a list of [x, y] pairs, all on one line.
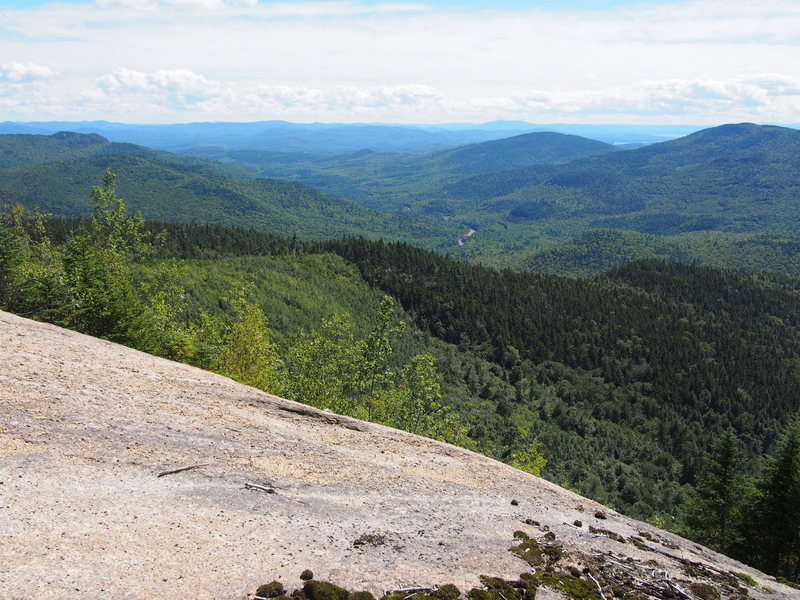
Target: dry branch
{"points": [[597, 583], [173, 471], [262, 488]]}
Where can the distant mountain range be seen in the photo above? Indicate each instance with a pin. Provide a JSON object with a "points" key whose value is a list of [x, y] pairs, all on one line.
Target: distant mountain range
{"points": [[542, 200], [393, 180], [283, 136]]}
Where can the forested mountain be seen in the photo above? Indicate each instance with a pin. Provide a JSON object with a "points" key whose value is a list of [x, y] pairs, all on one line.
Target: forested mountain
{"points": [[54, 172], [722, 196], [518, 151], [731, 179], [735, 177], [388, 180]]}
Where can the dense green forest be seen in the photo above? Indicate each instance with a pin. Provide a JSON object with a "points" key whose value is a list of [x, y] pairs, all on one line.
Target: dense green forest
{"points": [[732, 178], [599, 250]]}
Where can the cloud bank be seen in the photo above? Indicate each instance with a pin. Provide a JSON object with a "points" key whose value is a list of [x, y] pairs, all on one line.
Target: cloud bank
{"points": [[697, 61]]}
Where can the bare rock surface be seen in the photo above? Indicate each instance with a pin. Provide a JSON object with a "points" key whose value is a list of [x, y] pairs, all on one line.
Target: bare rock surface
{"points": [[87, 426]]}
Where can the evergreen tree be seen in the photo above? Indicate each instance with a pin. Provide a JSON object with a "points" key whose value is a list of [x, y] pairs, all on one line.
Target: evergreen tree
{"points": [[775, 536], [716, 508], [10, 258]]}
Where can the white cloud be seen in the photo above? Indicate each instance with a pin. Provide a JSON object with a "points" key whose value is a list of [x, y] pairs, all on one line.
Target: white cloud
{"points": [[182, 83], [694, 60], [695, 100], [23, 72]]}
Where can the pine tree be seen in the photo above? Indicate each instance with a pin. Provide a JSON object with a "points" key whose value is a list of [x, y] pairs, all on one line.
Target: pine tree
{"points": [[10, 257], [775, 537], [720, 492]]}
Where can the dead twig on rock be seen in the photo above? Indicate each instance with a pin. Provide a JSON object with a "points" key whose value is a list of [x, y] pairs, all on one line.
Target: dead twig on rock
{"points": [[173, 471], [412, 591], [255, 486], [597, 584]]}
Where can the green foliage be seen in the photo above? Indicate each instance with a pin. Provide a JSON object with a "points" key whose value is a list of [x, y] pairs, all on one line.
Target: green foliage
{"points": [[84, 283], [111, 227], [722, 490], [420, 397], [774, 525], [321, 367], [271, 590], [528, 458], [11, 249], [373, 373], [246, 353]]}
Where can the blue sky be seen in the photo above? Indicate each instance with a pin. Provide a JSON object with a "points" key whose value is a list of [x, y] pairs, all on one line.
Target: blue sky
{"points": [[678, 61]]}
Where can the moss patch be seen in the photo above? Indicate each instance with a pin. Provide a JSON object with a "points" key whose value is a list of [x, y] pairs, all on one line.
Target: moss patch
{"points": [[705, 591], [323, 590], [573, 587], [537, 553]]}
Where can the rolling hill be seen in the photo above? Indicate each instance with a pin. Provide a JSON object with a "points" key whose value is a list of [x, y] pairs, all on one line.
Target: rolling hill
{"points": [[56, 173], [739, 179], [695, 198], [388, 180]]}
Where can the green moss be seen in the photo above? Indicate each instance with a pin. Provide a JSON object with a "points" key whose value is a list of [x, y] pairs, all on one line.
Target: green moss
{"points": [[361, 596], [785, 581], [479, 594], [446, 592], [573, 587], [536, 553], [271, 590], [323, 590], [528, 581], [499, 589], [705, 591], [528, 550], [623, 594]]}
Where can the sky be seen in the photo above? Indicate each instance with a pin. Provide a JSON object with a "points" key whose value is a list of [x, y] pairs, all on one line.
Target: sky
{"points": [[699, 62]]}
